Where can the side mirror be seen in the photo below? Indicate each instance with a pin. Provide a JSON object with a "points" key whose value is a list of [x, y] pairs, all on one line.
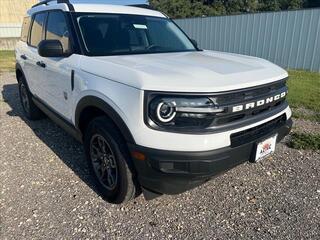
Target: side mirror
{"points": [[50, 48], [194, 42]]}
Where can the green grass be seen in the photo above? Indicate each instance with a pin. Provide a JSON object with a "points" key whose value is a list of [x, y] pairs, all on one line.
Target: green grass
{"points": [[7, 61], [305, 141], [304, 90]]}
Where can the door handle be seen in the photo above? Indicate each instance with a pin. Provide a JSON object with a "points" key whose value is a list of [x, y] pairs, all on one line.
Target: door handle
{"points": [[72, 80], [41, 64], [24, 57]]}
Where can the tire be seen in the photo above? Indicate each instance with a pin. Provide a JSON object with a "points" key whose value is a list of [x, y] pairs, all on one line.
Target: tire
{"points": [[108, 158], [31, 111]]}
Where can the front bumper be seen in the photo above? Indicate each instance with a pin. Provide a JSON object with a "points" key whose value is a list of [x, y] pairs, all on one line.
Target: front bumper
{"points": [[171, 172]]}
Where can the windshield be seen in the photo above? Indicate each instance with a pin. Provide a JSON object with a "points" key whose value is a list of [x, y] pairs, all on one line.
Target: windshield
{"points": [[115, 34]]}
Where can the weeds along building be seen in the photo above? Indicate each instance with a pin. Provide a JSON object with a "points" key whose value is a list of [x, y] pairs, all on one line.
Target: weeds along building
{"points": [[11, 16]]}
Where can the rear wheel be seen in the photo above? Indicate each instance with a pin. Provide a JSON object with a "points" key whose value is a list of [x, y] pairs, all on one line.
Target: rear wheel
{"points": [[109, 161], [31, 111]]}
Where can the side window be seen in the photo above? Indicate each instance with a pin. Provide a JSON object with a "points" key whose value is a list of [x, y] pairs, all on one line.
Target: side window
{"points": [[25, 29], [36, 31], [57, 29]]}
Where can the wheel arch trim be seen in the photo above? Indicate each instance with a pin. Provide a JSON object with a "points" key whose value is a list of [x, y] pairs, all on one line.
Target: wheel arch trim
{"points": [[92, 101], [19, 68]]}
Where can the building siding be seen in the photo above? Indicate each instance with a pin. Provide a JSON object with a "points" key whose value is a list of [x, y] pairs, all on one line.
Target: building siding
{"points": [[11, 17], [10, 30], [289, 38], [13, 11]]}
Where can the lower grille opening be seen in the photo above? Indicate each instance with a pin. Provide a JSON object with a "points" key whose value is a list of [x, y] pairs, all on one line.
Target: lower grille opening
{"points": [[252, 134]]}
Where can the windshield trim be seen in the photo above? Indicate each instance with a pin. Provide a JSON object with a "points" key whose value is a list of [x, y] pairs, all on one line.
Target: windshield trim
{"points": [[75, 16]]}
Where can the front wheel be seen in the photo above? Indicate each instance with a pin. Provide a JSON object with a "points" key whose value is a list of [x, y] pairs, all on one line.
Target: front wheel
{"points": [[109, 161]]}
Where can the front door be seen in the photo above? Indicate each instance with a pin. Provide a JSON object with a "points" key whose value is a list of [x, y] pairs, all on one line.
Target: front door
{"points": [[57, 87]]}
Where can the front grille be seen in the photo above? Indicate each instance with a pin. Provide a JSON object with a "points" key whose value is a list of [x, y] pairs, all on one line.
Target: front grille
{"points": [[255, 133], [243, 97]]}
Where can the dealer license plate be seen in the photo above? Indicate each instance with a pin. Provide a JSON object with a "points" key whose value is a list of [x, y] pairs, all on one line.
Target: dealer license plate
{"points": [[265, 148]]}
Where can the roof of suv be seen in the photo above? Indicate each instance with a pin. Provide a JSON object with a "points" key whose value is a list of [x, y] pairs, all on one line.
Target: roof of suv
{"points": [[93, 7]]}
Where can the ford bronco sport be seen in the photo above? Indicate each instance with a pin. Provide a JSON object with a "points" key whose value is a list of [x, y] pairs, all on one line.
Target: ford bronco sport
{"points": [[155, 113]]}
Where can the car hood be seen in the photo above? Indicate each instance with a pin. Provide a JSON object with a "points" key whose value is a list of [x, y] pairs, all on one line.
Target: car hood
{"points": [[201, 71]]}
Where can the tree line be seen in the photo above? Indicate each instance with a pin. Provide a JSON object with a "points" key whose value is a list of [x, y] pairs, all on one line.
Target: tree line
{"points": [[201, 8]]}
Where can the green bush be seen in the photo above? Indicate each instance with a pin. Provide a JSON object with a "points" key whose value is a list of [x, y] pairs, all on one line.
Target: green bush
{"points": [[305, 141]]}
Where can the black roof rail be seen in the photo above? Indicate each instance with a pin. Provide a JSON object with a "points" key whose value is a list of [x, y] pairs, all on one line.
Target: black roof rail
{"points": [[141, 6], [47, 1]]}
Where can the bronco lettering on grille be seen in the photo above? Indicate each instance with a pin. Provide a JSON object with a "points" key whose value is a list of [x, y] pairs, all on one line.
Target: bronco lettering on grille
{"points": [[258, 103]]}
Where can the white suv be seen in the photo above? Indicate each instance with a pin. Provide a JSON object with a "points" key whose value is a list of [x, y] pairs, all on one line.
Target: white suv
{"points": [[154, 112]]}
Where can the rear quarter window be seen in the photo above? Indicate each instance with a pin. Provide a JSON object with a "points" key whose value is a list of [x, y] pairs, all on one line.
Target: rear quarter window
{"points": [[25, 29]]}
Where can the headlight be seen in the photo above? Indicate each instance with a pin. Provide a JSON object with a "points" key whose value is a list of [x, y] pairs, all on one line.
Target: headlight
{"points": [[166, 111], [180, 112]]}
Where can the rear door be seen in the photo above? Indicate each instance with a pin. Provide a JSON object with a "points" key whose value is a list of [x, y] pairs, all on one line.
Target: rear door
{"points": [[22, 47], [35, 73]]}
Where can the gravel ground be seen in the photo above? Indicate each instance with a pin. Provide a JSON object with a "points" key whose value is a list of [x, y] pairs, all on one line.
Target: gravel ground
{"points": [[305, 126], [47, 193]]}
